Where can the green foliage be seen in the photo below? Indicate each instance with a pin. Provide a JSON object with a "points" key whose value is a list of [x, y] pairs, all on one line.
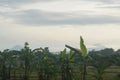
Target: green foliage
{"points": [[83, 47], [67, 65]]}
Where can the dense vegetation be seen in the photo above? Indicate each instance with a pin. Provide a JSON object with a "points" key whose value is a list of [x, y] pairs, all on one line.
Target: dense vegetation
{"points": [[76, 64]]}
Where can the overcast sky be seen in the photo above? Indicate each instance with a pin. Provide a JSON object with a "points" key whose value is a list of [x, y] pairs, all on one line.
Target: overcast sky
{"points": [[54, 23]]}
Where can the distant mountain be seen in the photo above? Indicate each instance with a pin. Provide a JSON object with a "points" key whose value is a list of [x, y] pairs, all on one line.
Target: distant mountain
{"points": [[17, 47], [97, 47]]}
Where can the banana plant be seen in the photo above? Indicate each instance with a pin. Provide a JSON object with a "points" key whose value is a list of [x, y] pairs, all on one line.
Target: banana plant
{"points": [[44, 64], [83, 52], [38, 62], [15, 62], [26, 59], [6, 64], [3, 67], [65, 62]]}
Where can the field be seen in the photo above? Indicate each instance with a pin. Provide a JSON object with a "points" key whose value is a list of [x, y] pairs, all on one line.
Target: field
{"points": [[112, 73]]}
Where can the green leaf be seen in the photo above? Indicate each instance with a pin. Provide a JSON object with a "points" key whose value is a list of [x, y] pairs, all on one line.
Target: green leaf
{"points": [[63, 54], [72, 48], [71, 56], [83, 47]]}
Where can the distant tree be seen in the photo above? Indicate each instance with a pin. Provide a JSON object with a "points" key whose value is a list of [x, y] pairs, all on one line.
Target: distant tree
{"points": [[118, 51], [107, 51], [100, 63]]}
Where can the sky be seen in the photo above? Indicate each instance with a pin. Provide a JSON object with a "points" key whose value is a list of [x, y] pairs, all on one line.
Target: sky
{"points": [[54, 23]]}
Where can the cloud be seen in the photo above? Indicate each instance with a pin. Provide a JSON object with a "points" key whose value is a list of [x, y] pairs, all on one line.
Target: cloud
{"points": [[105, 1], [111, 7], [37, 17], [14, 3], [100, 46], [17, 3]]}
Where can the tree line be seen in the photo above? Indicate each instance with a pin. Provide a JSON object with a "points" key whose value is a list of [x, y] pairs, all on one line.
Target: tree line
{"points": [[66, 65]]}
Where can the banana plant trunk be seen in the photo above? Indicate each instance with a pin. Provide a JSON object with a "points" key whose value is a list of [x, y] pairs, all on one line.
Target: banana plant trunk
{"points": [[14, 78], [84, 71], [9, 72], [25, 75], [4, 74]]}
